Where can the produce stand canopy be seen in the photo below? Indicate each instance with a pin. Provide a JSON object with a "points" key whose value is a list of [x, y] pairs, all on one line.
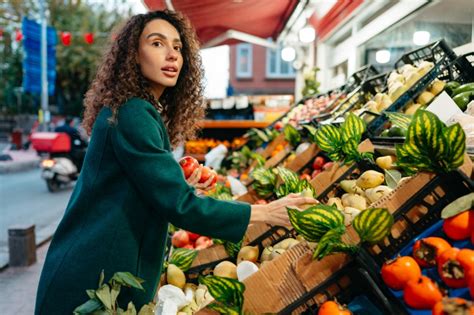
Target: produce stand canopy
{"points": [[213, 18]]}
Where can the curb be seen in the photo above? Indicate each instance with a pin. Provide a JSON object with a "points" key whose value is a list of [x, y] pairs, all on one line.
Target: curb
{"points": [[18, 166]]}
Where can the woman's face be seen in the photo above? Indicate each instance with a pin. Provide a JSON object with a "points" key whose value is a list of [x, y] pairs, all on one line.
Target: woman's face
{"points": [[159, 55]]}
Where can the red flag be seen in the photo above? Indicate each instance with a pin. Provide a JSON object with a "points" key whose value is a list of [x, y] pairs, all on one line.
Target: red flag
{"points": [[18, 36], [89, 38], [66, 38]]}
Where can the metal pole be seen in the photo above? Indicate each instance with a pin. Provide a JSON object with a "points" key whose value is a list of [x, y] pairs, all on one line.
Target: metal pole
{"points": [[44, 67]]}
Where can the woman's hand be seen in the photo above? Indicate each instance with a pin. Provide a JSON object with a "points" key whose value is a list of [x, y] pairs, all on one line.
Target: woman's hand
{"points": [[275, 213], [193, 180]]}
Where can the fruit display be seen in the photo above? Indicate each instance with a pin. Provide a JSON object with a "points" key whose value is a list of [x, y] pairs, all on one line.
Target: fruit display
{"points": [[202, 146]]}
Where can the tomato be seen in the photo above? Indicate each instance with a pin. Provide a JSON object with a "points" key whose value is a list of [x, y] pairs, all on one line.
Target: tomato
{"points": [[422, 293], [460, 226], [398, 272], [305, 176], [188, 164], [427, 250], [206, 173], [453, 306], [180, 239], [333, 308], [318, 163], [278, 126]]}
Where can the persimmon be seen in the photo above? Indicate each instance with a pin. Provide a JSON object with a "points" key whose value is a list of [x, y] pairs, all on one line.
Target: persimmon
{"points": [[427, 250], [333, 308], [460, 226], [453, 266], [397, 272], [422, 293], [453, 306]]}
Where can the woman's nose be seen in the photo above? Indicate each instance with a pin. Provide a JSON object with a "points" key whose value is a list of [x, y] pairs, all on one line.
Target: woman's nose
{"points": [[172, 54]]}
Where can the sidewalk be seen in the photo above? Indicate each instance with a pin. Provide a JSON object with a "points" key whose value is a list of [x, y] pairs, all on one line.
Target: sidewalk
{"points": [[18, 286], [21, 160]]}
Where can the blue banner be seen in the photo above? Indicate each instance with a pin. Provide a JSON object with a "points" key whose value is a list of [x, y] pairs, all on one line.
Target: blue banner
{"points": [[32, 57]]}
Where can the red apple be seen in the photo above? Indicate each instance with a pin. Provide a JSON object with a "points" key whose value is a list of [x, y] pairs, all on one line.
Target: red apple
{"points": [[180, 239], [193, 236], [278, 126], [203, 242], [188, 164], [318, 163], [315, 172], [206, 173], [305, 176], [188, 246], [328, 165]]}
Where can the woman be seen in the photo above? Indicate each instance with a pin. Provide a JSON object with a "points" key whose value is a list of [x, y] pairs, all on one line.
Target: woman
{"points": [[146, 97]]}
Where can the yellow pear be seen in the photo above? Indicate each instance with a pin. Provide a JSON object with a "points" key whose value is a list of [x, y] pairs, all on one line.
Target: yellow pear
{"points": [[226, 269], [370, 179], [175, 276], [249, 253]]}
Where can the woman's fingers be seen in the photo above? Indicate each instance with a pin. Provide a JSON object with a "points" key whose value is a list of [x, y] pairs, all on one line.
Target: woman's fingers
{"points": [[195, 176]]}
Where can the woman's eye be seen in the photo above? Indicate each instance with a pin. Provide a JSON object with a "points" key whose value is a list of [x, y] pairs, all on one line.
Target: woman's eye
{"points": [[157, 44], [178, 48]]}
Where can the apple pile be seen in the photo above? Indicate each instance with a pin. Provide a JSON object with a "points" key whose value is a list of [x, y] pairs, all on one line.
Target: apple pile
{"points": [[189, 240], [320, 164], [190, 164]]}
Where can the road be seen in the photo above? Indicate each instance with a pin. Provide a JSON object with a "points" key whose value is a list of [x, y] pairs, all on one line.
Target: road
{"points": [[24, 200]]}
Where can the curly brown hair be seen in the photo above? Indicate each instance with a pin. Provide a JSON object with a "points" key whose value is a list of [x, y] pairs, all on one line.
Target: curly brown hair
{"points": [[119, 78]]}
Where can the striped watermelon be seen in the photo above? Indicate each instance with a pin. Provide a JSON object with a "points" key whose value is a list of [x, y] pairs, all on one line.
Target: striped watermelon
{"points": [[314, 222], [373, 225], [228, 291], [352, 128], [183, 258]]}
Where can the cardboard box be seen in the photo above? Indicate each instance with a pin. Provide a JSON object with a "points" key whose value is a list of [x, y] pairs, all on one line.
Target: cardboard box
{"points": [[304, 158], [275, 285], [210, 254], [323, 180]]}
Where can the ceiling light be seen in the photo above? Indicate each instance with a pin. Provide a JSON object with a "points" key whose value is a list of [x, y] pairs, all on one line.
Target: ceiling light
{"points": [[382, 56], [307, 34], [288, 54], [421, 38]]}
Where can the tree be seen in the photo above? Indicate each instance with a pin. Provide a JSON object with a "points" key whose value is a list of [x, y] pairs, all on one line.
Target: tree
{"points": [[77, 63]]}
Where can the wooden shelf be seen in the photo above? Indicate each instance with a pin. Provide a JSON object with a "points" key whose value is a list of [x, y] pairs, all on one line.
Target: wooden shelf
{"points": [[229, 124]]}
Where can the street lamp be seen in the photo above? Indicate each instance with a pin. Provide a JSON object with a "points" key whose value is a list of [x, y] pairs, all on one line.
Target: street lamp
{"points": [[288, 54], [382, 56], [307, 34], [421, 38]]}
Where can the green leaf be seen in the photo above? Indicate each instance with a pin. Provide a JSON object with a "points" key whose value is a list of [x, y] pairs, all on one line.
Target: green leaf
{"points": [[103, 294], [130, 309], [147, 309], [183, 258], [459, 205], [127, 279], [88, 307], [101, 278], [262, 135], [353, 128], [392, 177], [114, 292], [91, 294]]}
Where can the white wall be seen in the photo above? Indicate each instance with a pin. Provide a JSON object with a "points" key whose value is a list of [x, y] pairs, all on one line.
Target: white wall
{"points": [[216, 71]]}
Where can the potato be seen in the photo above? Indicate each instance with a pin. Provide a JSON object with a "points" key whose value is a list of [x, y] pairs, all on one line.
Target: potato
{"points": [[286, 244], [335, 201], [374, 194], [349, 214], [370, 179], [350, 186]]}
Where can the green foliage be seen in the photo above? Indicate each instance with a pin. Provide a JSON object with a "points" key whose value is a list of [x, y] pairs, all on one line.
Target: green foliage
{"points": [[291, 183], [104, 299], [241, 160], [292, 135], [431, 146], [221, 192], [257, 137], [399, 119], [76, 64]]}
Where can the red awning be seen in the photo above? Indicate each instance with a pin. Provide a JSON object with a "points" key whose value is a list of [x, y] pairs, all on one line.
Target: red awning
{"points": [[213, 18]]}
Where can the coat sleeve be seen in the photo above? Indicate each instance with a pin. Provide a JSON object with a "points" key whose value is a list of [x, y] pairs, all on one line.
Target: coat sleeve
{"points": [[137, 139]]}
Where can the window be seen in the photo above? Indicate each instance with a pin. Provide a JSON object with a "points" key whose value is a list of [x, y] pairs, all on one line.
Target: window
{"points": [[277, 68], [244, 61]]}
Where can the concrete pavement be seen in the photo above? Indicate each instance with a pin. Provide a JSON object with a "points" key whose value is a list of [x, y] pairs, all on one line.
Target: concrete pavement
{"points": [[21, 159]]}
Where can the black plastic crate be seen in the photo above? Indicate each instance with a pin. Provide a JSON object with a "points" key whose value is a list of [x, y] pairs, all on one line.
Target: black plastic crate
{"points": [[420, 212], [353, 286], [358, 77], [274, 235], [435, 52], [462, 69]]}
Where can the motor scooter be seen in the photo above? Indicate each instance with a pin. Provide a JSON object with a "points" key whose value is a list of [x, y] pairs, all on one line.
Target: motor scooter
{"points": [[61, 160]]}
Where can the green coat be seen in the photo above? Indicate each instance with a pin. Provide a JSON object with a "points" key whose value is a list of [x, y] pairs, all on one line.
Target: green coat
{"points": [[129, 189]]}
